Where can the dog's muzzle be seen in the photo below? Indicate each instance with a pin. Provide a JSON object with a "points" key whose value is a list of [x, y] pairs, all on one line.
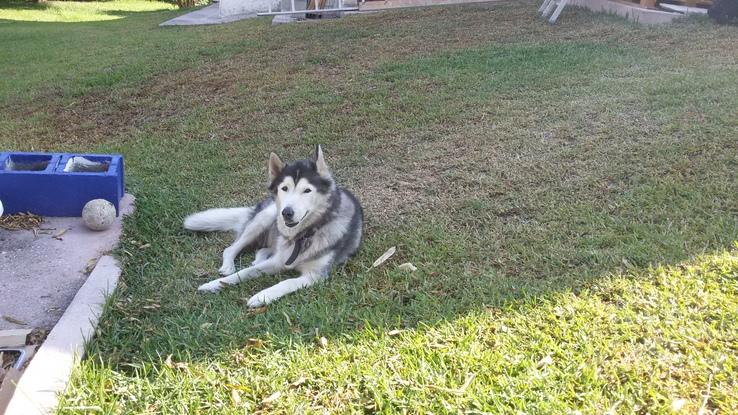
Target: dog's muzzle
{"points": [[288, 215]]}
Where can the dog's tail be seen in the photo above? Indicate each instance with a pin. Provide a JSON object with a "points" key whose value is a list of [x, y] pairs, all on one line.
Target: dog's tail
{"points": [[233, 220]]}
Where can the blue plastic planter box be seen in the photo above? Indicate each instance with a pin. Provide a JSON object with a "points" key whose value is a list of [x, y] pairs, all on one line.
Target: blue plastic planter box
{"points": [[37, 183]]}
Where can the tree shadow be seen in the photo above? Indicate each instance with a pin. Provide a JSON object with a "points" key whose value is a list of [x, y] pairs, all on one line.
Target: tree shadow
{"points": [[500, 242], [110, 11], [24, 5], [462, 268], [214, 343]]}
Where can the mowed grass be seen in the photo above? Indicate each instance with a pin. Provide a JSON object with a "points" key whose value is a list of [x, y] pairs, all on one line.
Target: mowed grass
{"points": [[568, 194], [76, 11]]}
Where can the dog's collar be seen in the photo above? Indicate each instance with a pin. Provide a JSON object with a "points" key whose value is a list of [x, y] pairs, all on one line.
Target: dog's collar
{"points": [[302, 240]]}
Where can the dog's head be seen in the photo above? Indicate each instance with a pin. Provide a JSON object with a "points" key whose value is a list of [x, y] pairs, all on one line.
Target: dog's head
{"points": [[302, 191]]}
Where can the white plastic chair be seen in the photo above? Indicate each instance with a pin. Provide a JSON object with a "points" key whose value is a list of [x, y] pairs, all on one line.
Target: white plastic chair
{"points": [[552, 9]]}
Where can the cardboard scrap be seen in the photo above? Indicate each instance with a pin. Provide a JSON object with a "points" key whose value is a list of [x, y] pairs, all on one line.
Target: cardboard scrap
{"points": [[12, 376], [14, 338]]}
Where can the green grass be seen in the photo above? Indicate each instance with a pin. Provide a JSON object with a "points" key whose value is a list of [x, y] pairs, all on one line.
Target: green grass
{"points": [[568, 193], [76, 11]]}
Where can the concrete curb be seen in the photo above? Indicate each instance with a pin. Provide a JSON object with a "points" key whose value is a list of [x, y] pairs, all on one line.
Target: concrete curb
{"points": [[48, 373], [205, 16], [399, 4], [629, 11]]}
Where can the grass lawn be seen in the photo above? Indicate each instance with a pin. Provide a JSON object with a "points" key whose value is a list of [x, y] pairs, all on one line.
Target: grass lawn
{"points": [[569, 194], [76, 11]]}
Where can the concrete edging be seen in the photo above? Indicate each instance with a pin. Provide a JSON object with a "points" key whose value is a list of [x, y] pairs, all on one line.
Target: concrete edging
{"points": [[398, 4], [206, 16], [629, 11], [48, 373]]}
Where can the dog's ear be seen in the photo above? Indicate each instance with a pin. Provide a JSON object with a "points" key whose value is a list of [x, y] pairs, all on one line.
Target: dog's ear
{"points": [[323, 170], [275, 167]]}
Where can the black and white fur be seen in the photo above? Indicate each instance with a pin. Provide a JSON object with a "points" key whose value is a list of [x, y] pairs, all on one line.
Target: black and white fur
{"points": [[308, 224]]}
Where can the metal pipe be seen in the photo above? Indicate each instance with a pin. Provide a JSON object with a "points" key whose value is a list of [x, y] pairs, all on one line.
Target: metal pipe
{"points": [[346, 9], [20, 360]]}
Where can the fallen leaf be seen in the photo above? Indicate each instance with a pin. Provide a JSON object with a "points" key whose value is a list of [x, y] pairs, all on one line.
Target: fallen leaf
{"points": [[407, 267], [90, 265], [21, 221], [174, 365], [678, 404], [254, 343], [60, 233], [14, 320], [323, 342], [545, 361], [457, 391], [385, 256], [258, 310], [627, 264], [298, 382], [239, 387], [84, 408], [271, 398], [236, 397]]}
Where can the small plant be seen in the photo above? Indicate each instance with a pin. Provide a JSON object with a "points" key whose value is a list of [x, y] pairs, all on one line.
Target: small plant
{"points": [[186, 3], [724, 11]]}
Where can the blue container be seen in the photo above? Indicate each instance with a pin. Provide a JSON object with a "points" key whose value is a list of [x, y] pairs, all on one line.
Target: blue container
{"points": [[38, 182]]}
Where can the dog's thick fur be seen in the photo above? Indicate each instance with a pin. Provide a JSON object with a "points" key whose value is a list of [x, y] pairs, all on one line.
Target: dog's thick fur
{"points": [[307, 224]]}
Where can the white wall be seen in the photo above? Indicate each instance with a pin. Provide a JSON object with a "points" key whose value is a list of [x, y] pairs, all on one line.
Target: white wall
{"points": [[233, 7]]}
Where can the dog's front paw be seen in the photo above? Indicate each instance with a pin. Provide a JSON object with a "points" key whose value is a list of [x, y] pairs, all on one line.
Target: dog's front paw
{"points": [[260, 299], [227, 269], [210, 287]]}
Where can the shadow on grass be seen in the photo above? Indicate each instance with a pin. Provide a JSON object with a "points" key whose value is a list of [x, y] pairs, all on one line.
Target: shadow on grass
{"points": [[550, 185], [24, 5], [75, 12], [465, 265], [384, 332]]}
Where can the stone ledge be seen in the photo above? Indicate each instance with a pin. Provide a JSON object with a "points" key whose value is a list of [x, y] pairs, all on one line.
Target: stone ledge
{"points": [[48, 373], [628, 10]]}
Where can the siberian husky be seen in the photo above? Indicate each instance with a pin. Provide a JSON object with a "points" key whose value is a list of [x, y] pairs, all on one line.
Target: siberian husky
{"points": [[307, 224]]}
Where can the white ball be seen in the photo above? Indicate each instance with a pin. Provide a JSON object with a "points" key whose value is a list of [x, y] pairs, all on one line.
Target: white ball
{"points": [[1, 207], [98, 214]]}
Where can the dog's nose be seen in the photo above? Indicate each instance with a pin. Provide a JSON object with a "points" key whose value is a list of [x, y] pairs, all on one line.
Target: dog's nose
{"points": [[288, 213]]}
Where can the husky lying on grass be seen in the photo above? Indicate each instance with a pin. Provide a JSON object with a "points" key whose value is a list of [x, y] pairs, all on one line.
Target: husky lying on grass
{"points": [[307, 224]]}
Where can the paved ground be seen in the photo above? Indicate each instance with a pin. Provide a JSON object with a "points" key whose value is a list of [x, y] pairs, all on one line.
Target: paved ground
{"points": [[39, 275], [207, 15], [48, 373]]}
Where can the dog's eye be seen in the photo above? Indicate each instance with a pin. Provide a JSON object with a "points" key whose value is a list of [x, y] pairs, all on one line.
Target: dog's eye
{"points": [[284, 188], [307, 191]]}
